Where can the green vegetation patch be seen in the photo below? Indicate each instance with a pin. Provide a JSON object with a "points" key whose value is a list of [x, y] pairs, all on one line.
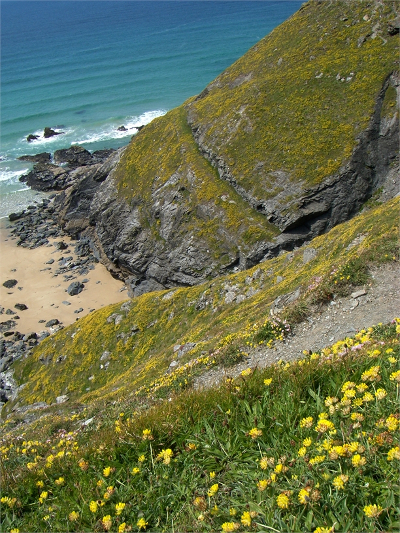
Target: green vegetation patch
{"points": [[126, 350], [298, 100], [310, 445]]}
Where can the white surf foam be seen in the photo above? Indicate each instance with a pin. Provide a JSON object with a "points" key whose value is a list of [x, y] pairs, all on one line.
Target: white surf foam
{"points": [[110, 131], [11, 175]]}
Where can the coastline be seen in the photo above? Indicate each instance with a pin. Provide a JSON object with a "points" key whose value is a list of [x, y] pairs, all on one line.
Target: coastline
{"points": [[43, 291]]}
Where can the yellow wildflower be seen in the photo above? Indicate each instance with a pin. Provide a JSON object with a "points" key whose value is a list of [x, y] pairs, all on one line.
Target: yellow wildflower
{"points": [[304, 496], [43, 496], [392, 423], [83, 465], [362, 387], [246, 519], [268, 381], [395, 376], [393, 453], [232, 511], [255, 432], [147, 434], [213, 490], [324, 425], [324, 530], [12, 501], [212, 475], [59, 481], [372, 374], [380, 394], [273, 477], [107, 471], [372, 511], [302, 451], [107, 522], [93, 506], [40, 484], [122, 528], [317, 459], [135, 470], [348, 385], [228, 527], [306, 422], [307, 442], [165, 456], [367, 397], [357, 460], [119, 507], [73, 517], [392, 359], [200, 503], [282, 501], [263, 484], [339, 481]]}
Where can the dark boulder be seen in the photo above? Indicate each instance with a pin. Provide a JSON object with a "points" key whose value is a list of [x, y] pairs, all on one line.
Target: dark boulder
{"points": [[46, 177], [32, 137], [49, 132], [15, 216], [122, 128], [21, 307], [99, 156], [75, 157], [43, 157], [10, 283], [52, 322], [75, 288]]}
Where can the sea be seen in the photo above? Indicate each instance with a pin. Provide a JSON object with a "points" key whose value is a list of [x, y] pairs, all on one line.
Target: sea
{"points": [[85, 68]]}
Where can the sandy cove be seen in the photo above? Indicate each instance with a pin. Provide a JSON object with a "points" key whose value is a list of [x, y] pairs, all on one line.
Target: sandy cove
{"points": [[43, 292]]}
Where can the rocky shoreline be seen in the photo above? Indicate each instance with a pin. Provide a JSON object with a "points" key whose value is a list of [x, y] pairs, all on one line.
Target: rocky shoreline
{"points": [[39, 226]]}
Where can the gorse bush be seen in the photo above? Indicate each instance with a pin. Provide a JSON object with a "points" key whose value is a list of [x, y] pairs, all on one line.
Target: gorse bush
{"points": [[311, 445]]}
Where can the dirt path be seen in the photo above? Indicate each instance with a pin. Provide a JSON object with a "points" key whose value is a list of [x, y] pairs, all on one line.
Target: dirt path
{"points": [[342, 318]]}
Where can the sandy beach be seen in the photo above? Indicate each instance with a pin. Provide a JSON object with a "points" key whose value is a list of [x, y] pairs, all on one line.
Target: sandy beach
{"points": [[42, 292]]}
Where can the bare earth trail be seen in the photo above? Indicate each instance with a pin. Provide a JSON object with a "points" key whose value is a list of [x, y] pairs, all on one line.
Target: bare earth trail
{"points": [[342, 318]]}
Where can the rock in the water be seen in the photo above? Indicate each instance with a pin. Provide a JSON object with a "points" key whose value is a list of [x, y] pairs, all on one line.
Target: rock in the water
{"points": [[122, 128], [10, 283], [32, 137], [43, 157], [49, 132], [75, 288], [21, 307]]}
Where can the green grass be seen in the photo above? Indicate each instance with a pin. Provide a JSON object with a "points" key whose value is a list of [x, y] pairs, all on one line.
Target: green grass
{"points": [[300, 446]]}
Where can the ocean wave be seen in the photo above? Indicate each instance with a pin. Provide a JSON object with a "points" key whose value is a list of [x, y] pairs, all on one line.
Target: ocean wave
{"points": [[111, 130], [11, 175], [93, 134]]}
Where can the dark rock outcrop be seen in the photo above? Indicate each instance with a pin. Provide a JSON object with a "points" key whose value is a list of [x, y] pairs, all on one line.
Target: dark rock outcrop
{"points": [[49, 132], [75, 157], [32, 137], [43, 157]]}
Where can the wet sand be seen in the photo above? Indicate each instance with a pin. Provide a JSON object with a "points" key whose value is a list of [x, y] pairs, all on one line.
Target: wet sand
{"points": [[42, 292]]}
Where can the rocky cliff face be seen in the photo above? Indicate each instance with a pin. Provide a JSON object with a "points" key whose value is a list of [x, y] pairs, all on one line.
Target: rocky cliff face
{"points": [[280, 148]]}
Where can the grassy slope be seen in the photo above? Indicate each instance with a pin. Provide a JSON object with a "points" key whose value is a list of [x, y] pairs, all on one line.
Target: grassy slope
{"points": [[300, 97], [307, 446], [138, 362], [273, 111]]}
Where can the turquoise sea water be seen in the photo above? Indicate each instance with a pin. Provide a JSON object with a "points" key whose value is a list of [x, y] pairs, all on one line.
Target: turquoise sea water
{"points": [[88, 67]]}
